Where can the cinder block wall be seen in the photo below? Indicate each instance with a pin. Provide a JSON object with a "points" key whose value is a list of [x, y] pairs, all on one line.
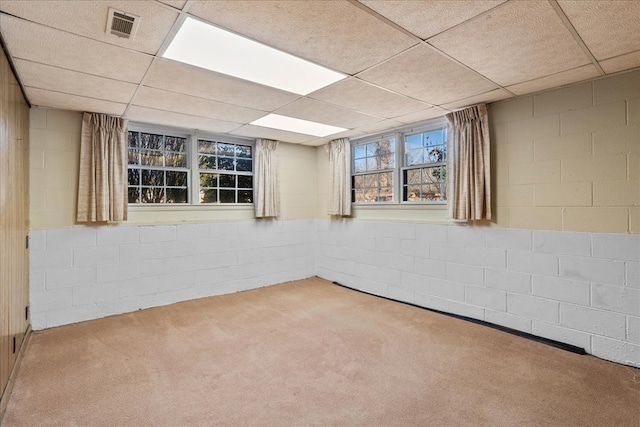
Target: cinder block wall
{"points": [[569, 159]]}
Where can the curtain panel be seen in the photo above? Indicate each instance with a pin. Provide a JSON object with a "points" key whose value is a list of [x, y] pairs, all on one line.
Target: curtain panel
{"points": [[469, 179], [102, 181], [266, 188], [339, 177]]}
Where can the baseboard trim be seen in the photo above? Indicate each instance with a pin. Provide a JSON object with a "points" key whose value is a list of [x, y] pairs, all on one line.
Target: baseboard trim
{"points": [[4, 400]]}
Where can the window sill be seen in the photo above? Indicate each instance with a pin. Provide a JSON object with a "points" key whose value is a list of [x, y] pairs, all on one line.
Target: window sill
{"points": [[172, 214], [417, 213]]}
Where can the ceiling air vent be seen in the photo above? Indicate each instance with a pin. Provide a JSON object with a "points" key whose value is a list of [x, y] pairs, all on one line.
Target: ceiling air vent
{"points": [[122, 24]]}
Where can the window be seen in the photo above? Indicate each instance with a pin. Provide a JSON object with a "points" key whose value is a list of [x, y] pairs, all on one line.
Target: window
{"points": [[411, 172], [167, 167]]}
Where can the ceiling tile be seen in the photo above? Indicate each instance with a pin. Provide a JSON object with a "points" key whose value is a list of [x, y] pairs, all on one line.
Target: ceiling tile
{"points": [[380, 126], [426, 18], [366, 98], [182, 78], [195, 106], [493, 96], [426, 75], [418, 116], [72, 82], [251, 131], [555, 80], [321, 112], [178, 4], [89, 19], [608, 28], [44, 98], [515, 42], [335, 34], [620, 63], [34, 42], [184, 121]]}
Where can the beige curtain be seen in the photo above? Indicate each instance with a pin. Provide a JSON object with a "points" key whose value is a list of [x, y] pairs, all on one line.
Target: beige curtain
{"points": [[469, 180], [102, 184], [266, 189], [339, 177]]}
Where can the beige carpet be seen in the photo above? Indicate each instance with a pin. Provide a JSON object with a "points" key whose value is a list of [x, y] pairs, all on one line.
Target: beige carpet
{"points": [[309, 353]]}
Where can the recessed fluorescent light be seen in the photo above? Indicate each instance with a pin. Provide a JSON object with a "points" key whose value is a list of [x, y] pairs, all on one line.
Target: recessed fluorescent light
{"points": [[276, 121], [209, 47]]}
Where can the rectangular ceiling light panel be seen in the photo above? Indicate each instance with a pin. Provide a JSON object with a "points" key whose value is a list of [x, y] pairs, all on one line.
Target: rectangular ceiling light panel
{"points": [[276, 121], [206, 46]]}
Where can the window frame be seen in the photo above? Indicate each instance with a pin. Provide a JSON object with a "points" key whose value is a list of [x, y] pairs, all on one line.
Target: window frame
{"points": [[193, 167], [400, 166]]}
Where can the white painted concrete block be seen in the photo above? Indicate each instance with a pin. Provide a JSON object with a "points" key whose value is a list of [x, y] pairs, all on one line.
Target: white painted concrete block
{"points": [[137, 287], [157, 233], [485, 297], [532, 262], [70, 277], [511, 281], [71, 238], [48, 260], [96, 255], [430, 301], [533, 308], [466, 236], [562, 242], [400, 293], [430, 267], [93, 293], [617, 351], [117, 235], [509, 238], [616, 298], [174, 282], [462, 273], [593, 320], [559, 289], [485, 257], [51, 300], [389, 244], [446, 289], [445, 252], [565, 335], [633, 329], [117, 272], [416, 282], [431, 233], [390, 229], [597, 270], [37, 281], [465, 310], [632, 274], [616, 246], [37, 240]]}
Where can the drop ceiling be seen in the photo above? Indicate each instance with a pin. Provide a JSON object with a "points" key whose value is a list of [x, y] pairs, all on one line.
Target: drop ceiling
{"points": [[405, 61]]}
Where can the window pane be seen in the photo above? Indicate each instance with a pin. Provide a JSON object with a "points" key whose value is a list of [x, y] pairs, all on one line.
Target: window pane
{"points": [[174, 143], [206, 162], [208, 147], [152, 195], [227, 181], [360, 165], [415, 157], [430, 192], [358, 181], [225, 164], [370, 180], [176, 179], [413, 142], [243, 151], [151, 158], [227, 196], [134, 139], [243, 165], [176, 195], [358, 196], [359, 152], [436, 154], [386, 194], [208, 196], [435, 137], [226, 149], [208, 180], [412, 193], [245, 196], [371, 195], [245, 181], [175, 160], [372, 164], [134, 157], [412, 176], [134, 195], [151, 142], [386, 179], [134, 176], [372, 149], [153, 177]]}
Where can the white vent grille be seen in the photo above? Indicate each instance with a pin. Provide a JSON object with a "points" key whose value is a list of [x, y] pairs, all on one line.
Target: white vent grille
{"points": [[122, 24]]}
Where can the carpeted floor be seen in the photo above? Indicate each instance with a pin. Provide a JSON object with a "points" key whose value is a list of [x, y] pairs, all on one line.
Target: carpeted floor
{"points": [[309, 353]]}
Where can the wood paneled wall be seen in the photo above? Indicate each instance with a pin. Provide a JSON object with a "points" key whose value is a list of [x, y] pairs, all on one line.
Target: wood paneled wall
{"points": [[14, 216]]}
